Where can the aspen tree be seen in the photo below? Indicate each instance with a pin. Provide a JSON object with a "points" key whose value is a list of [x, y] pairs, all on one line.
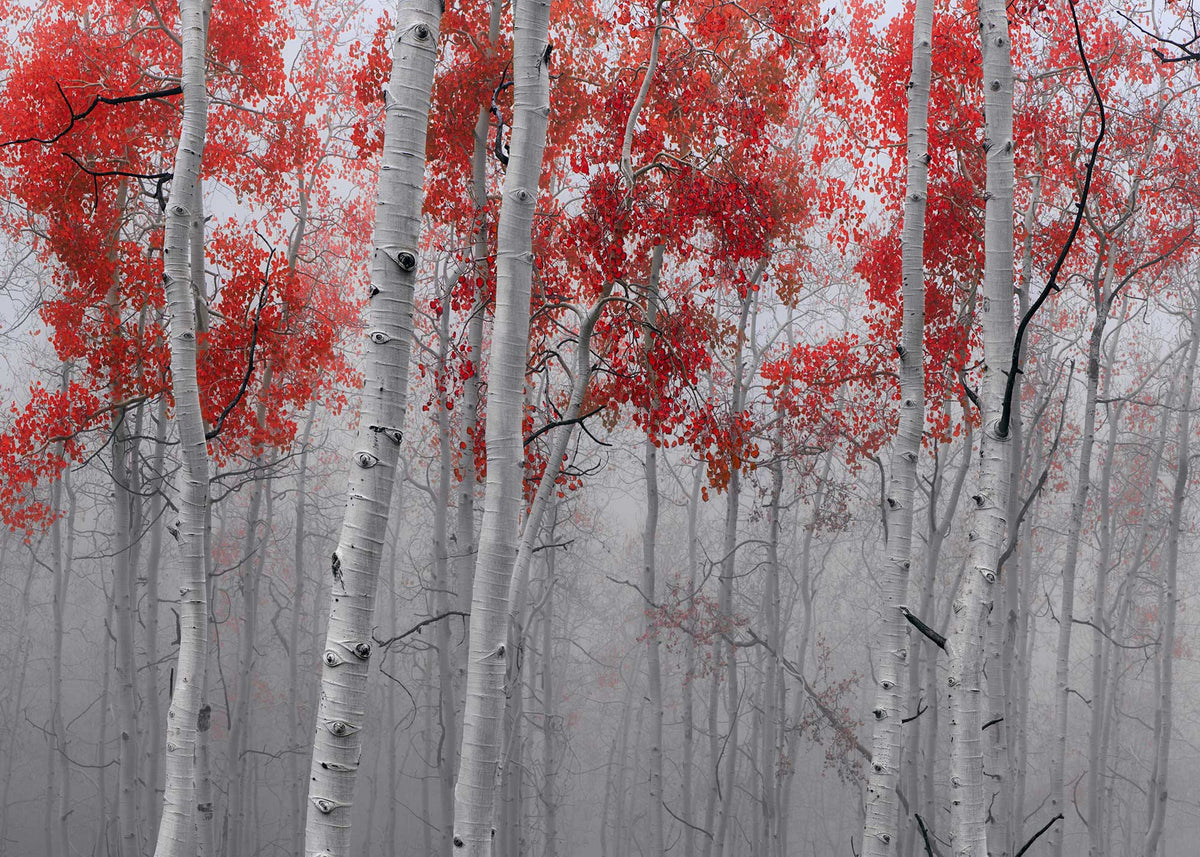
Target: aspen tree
{"points": [[337, 746], [1158, 790], [649, 583], [475, 793], [989, 524], [176, 830], [880, 831]]}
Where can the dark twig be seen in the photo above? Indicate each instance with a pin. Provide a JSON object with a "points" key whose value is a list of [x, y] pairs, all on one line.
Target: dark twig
{"points": [[1035, 836], [215, 431], [96, 102], [938, 639], [920, 711], [991, 723], [1052, 280], [924, 834], [553, 425], [416, 629], [159, 179]]}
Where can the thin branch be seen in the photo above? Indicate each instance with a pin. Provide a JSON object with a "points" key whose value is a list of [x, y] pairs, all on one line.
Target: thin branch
{"points": [[215, 431], [96, 102], [1052, 280], [416, 629], [553, 425], [1035, 836]]}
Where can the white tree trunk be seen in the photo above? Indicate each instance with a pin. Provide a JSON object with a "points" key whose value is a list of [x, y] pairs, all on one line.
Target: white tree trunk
{"points": [[649, 583], [296, 742], [1066, 612], [989, 525], [883, 774], [177, 828], [337, 746], [475, 793], [1162, 750]]}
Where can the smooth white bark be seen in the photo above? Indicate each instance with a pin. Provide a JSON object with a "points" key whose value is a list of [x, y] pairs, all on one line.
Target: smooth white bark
{"points": [[337, 746], [880, 832], [177, 827], [989, 524], [475, 793]]}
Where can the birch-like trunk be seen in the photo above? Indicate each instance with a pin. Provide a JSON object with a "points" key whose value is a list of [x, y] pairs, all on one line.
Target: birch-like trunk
{"points": [[21, 672], [772, 731], [891, 671], [728, 777], [1162, 750], [59, 772], [337, 746], [176, 830], [447, 759], [989, 525], [689, 668], [1101, 653], [1066, 611], [296, 786], [649, 581], [475, 793], [551, 724], [251, 568], [152, 755]]}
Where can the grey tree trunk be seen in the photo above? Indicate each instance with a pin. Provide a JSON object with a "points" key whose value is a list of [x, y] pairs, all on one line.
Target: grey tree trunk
{"points": [[649, 582], [551, 725], [1162, 752], [296, 721], [447, 759]]}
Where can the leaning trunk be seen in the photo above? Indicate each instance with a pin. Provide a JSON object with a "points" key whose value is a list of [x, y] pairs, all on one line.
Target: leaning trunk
{"points": [[337, 745]]}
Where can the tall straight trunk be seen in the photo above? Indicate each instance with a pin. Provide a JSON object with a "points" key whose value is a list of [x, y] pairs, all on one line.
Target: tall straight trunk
{"points": [[689, 668], [728, 777], [476, 790], [1066, 612], [124, 600], [21, 672], [337, 746], [714, 749], [1101, 653], [251, 567], [177, 828], [771, 705], [102, 842], [1162, 751], [205, 826], [295, 744], [649, 582], [550, 718], [427, 827], [152, 755], [464, 529], [444, 586], [1007, 689], [989, 525], [59, 771], [806, 585], [883, 774]]}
